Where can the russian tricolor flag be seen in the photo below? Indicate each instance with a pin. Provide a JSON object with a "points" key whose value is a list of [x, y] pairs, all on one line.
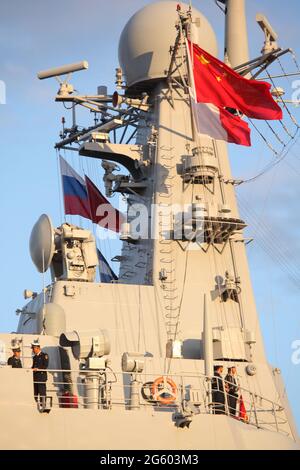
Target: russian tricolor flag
{"points": [[82, 197], [76, 198]]}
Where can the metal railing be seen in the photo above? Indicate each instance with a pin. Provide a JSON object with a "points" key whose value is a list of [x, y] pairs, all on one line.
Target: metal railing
{"points": [[106, 389]]}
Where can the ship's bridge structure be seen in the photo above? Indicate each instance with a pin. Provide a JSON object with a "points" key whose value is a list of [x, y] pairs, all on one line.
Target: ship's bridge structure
{"points": [[137, 356]]}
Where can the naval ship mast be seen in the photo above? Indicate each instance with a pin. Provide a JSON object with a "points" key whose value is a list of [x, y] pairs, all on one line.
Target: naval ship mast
{"points": [[184, 301]]}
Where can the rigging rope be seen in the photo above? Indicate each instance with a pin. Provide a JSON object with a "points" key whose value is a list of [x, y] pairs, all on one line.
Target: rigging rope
{"points": [[283, 125], [281, 156], [285, 107], [283, 71], [271, 245], [275, 134], [264, 138], [295, 60]]}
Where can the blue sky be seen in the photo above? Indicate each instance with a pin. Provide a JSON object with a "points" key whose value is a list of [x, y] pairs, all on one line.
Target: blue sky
{"points": [[36, 35]]}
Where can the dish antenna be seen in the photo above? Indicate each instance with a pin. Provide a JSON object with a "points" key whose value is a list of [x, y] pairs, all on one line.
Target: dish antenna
{"points": [[42, 246]]}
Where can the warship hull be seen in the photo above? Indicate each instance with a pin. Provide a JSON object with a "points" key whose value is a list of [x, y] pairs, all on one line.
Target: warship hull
{"points": [[138, 362], [129, 430]]}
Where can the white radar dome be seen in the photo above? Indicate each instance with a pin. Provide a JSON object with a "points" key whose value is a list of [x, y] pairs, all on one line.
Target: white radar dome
{"points": [[144, 47]]}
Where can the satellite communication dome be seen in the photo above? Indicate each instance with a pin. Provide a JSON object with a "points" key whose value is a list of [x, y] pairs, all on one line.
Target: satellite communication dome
{"points": [[144, 46]]}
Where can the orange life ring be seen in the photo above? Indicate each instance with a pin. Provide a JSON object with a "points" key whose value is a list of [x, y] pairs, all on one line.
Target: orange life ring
{"points": [[164, 386]]}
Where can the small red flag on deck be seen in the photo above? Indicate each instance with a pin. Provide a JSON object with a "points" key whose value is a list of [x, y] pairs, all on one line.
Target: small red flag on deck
{"points": [[242, 412]]}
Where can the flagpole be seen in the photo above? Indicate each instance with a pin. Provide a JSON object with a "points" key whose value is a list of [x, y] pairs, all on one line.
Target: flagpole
{"points": [[62, 186], [89, 200], [191, 87], [190, 62]]}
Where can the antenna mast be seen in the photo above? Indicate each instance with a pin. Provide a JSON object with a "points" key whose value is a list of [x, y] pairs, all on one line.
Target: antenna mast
{"points": [[236, 36]]}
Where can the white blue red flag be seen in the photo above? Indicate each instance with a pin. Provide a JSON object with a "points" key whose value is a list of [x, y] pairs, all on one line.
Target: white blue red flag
{"points": [[76, 198], [82, 197]]}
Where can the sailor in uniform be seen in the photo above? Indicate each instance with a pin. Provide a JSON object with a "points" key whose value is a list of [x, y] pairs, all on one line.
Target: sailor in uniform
{"points": [[15, 361], [218, 395], [40, 361], [232, 391]]}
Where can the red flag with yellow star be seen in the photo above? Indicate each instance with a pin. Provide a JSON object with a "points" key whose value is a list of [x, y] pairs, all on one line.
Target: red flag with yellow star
{"points": [[218, 84]]}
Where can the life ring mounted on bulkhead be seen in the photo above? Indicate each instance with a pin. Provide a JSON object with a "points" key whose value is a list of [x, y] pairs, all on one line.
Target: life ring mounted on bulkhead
{"points": [[164, 390]]}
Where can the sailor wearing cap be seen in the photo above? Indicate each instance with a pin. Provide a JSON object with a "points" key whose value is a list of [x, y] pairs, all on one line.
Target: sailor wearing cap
{"points": [[218, 395], [14, 361], [40, 361]]}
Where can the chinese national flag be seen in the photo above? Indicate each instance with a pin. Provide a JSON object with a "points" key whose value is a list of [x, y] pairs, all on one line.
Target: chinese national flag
{"points": [[218, 84]]}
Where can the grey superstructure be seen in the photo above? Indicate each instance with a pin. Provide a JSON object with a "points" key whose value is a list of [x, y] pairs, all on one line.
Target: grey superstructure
{"points": [[131, 361]]}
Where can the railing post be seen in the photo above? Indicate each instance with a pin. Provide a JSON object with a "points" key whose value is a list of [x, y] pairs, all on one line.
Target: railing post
{"points": [[275, 416], [98, 395], [225, 397], [254, 408], [209, 395]]}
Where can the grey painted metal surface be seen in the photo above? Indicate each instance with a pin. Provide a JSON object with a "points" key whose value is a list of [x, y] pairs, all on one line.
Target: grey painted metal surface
{"points": [[236, 37], [147, 37], [125, 348]]}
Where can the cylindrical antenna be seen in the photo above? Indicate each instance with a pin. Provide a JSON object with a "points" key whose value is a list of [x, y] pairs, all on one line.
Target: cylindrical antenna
{"points": [[236, 36], [63, 70]]}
